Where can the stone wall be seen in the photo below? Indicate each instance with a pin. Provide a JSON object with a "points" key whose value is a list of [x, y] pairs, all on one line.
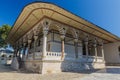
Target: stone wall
{"points": [[78, 66], [69, 65], [112, 54]]}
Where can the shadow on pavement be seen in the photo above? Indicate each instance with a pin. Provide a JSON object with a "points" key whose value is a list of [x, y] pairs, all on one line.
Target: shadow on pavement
{"points": [[6, 68], [111, 70], [108, 69]]}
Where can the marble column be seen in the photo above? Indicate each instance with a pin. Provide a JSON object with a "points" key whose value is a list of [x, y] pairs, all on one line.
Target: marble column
{"points": [[62, 46], [29, 42], [45, 32], [102, 50], [75, 34], [76, 47], [24, 50], [19, 56], [19, 52], [45, 24], [95, 47], [15, 52], [86, 46], [35, 38], [62, 30], [24, 47]]}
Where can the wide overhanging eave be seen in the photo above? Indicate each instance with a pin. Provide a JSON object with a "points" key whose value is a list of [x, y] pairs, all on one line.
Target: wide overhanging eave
{"points": [[33, 12]]}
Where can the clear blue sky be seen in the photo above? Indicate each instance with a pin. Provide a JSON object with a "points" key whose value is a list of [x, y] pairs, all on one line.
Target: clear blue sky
{"points": [[104, 13]]}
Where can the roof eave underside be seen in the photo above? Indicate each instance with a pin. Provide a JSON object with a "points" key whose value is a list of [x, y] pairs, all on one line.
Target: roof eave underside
{"points": [[33, 13]]}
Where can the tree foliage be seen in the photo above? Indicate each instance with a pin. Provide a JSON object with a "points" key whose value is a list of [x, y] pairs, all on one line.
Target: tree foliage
{"points": [[4, 30]]}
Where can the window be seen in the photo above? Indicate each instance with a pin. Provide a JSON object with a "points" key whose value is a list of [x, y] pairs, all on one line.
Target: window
{"points": [[119, 50]]}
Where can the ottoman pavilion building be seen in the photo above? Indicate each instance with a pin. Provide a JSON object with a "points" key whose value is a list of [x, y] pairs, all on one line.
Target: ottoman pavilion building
{"points": [[49, 39]]}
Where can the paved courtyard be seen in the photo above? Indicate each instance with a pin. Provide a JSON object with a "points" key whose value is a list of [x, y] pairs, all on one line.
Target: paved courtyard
{"points": [[110, 73]]}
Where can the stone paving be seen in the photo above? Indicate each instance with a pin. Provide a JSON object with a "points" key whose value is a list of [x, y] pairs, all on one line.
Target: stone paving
{"points": [[110, 73]]}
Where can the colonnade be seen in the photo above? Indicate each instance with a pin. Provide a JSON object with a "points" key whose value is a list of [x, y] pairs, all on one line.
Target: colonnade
{"points": [[26, 40]]}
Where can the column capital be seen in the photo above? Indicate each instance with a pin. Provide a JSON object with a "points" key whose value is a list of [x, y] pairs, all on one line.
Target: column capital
{"points": [[86, 39], [35, 32], [29, 41], [76, 40], [95, 40], [45, 24], [35, 37], [45, 32], [29, 35], [86, 42], [62, 32], [75, 33], [25, 39], [95, 43], [24, 43], [62, 37]]}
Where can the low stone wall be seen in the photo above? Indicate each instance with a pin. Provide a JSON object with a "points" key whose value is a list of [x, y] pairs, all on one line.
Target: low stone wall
{"points": [[78, 66], [51, 67], [71, 66], [52, 64], [43, 67], [55, 66], [33, 66]]}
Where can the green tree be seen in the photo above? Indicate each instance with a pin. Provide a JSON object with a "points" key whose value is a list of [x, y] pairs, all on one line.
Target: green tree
{"points": [[4, 30]]}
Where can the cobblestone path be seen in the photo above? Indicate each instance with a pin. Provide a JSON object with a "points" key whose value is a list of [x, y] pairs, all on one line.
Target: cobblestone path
{"points": [[110, 73]]}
